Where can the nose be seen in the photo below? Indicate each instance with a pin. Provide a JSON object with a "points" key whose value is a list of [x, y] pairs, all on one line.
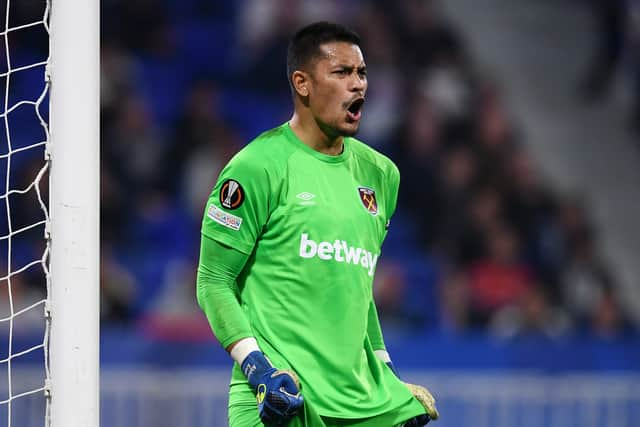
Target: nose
{"points": [[358, 83]]}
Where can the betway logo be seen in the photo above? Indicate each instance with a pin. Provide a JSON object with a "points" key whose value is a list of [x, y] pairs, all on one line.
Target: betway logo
{"points": [[339, 251]]}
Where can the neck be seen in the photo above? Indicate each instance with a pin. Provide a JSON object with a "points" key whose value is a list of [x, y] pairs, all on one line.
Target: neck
{"points": [[310, 133]]}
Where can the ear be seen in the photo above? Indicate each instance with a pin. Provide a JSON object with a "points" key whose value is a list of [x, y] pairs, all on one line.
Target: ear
{"points": [[301, 82]]}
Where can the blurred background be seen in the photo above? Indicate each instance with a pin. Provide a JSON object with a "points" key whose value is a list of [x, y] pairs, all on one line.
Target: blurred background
{"points": [[509, 282]]}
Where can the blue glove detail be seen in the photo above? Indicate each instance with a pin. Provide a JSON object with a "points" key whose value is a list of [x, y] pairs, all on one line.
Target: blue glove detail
{"points": [[277, 391]]}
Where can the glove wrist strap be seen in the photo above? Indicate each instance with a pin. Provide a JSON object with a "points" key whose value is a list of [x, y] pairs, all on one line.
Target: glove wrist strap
{"points": [[254, 366], [243, 348], [382, 355]]}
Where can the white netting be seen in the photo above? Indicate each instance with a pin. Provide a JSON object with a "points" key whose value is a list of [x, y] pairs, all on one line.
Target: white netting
{"points": [[24, 245]]}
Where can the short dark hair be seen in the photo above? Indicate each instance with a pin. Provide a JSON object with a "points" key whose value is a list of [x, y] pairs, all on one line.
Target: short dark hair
{"points": [[305, 43]]}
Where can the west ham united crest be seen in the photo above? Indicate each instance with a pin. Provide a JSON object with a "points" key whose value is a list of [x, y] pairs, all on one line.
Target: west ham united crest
{"points": [[368, 199], [231, 194]]}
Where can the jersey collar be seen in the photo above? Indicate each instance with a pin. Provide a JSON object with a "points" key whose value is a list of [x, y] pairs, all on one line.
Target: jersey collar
{"points": [[292, 137]]}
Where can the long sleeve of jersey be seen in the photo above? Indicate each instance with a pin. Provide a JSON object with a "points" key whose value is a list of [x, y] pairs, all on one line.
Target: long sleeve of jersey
{"points": [[373, 328], [217, 270]]}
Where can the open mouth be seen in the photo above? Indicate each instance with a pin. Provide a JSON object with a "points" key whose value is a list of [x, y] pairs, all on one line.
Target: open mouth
{"points": [[354, 111]]}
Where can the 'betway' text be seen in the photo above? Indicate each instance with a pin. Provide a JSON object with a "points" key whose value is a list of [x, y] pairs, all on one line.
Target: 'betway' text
{"points": [[339, 251]]}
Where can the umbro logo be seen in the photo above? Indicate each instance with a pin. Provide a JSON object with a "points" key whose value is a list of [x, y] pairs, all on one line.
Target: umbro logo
{"points": [[305, 196]]}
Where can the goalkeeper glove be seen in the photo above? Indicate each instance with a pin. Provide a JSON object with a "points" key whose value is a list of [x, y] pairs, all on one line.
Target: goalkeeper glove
{"points": [[277, 391], [426, 399], [423, 395]]}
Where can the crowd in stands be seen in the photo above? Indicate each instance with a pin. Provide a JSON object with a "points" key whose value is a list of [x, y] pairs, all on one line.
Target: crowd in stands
{"points": [[481, 241]]}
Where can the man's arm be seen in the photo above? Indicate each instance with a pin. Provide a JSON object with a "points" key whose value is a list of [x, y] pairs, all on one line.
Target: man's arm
{"points": [[374, 332], [217, 270], [277, 391]]}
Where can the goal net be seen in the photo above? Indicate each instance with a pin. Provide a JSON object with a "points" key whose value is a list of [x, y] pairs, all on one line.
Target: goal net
{"points": [[49, 227], [24, 242]]}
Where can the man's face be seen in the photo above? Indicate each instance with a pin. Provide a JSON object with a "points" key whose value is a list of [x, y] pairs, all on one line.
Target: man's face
{"points": [[337, 90]]}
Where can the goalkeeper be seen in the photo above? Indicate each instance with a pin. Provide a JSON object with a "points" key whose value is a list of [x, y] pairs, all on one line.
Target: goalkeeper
{"points": [[290, 240]]}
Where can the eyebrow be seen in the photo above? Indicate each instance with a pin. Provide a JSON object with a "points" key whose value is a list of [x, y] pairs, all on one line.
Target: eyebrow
{"points": [[351, 67]]}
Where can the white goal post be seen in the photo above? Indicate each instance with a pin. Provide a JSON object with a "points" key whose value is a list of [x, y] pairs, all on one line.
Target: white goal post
{"points": [[74, 213]]}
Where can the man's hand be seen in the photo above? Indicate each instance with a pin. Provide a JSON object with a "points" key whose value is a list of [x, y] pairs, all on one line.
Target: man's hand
{"points": [[426, 399], [277, 391], [422, 394]]}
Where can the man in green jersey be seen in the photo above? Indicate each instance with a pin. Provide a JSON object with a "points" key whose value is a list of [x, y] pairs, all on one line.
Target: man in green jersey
{"points": [[290, 240]]}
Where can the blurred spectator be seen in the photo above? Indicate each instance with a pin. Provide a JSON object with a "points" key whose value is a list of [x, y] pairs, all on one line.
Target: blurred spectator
{"points": [[608, 319], [202, 143], [118, 289], [202, 168], [416, 150], [456, 175], [134, 147], [586, 280], [269, 24], [529, 204], [384, 103], [531, 209], [500, 279], [485, 213], [454, 301], [424, 36], [389, 290], [117, 78], [530, 315], [494, 133], [198, 127]]}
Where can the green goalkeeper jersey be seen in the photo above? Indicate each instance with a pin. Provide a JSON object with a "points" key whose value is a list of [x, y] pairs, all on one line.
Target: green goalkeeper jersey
{"points": [[312, 225]]}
